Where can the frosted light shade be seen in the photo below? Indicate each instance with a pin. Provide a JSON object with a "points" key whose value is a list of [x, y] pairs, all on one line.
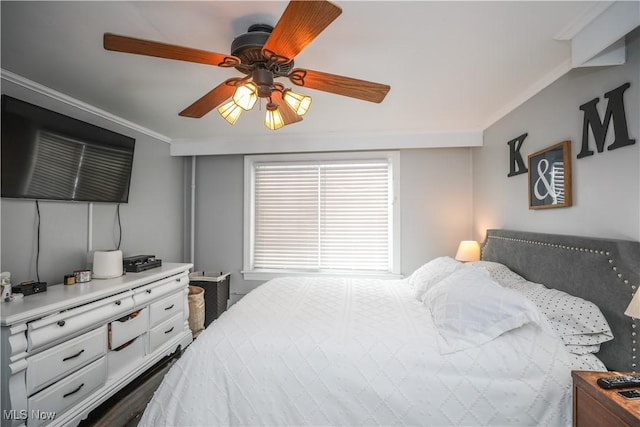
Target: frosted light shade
{"points": [[469, 250], [298, 103], [246, 96], [273, 119], [230, 112]]}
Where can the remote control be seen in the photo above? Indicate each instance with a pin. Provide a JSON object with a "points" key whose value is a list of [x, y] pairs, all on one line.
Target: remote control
{"points": [[619, 381], [630, 394]]}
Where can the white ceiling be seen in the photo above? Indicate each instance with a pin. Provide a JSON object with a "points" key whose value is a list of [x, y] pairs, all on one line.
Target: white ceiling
{"points": [[452, 66]]}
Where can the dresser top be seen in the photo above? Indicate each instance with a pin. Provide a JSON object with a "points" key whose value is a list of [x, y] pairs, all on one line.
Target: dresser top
{"points": [[62, 297]]}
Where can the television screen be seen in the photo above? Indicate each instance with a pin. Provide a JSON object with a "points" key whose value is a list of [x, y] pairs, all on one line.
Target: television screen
{"points": [[47, 155]]}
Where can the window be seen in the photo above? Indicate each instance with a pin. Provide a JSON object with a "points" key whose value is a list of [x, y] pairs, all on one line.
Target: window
{"points": [[332, 213]]}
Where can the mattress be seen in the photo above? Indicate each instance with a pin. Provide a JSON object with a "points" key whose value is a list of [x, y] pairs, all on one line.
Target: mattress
{"points": [[338, 351]]}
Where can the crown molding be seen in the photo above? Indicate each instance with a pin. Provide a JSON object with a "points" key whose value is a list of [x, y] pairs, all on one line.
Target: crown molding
{"points": [[582, 20], [61, 97]]}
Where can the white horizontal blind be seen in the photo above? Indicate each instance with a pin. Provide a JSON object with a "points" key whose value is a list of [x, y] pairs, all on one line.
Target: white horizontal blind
{"points": [[323, 216], [286, 217], [354, 216]]}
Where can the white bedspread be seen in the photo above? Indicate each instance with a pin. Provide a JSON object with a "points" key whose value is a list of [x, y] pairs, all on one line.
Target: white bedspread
{"points": [[301, 351]]}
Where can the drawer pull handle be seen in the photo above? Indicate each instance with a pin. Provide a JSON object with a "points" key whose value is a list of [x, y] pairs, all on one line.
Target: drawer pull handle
{"points": [[74, 356], [148, 291], [74, 391], [118, 302], [125, 345], [166, 332], [61, 323], [170, 307]]}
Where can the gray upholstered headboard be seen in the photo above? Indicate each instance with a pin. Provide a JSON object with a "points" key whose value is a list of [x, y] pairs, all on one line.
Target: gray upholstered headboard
{"points": [[604, 271]]}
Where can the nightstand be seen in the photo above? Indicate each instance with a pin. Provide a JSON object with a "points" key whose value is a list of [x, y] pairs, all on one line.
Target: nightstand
{"points": [[594, 406]]}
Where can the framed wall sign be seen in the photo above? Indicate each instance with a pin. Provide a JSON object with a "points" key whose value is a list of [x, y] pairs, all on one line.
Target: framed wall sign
{"points": [[550, 177]]}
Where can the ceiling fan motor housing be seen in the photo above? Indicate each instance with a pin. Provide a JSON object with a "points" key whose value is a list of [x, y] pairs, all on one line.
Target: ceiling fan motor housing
{"points": [[263, 79], [248, 47]]}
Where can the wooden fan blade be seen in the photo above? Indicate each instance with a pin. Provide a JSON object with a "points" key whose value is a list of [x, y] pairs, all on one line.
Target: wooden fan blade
{"points": [[340, 85], [126, 44], [300, 23], [211, 100], [288, 115]]}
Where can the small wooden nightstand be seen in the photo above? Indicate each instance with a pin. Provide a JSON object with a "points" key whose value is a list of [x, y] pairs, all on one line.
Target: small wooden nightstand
{"points": [[594, 406]]}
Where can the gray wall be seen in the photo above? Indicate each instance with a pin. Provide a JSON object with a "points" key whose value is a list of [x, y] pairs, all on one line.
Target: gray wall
{"points": [[435, 200], [606, 186], [152, 221]]}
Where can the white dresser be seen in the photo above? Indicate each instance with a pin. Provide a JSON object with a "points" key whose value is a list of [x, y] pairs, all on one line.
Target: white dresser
{"points": [[67, 350]]}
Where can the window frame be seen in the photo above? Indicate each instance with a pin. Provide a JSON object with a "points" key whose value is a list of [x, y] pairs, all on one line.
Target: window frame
{"points": [[393, 157]]}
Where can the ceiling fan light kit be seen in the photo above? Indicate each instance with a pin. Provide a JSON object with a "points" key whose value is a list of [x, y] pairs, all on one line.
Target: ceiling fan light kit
{"points": [[262, 86], [263, 54]]}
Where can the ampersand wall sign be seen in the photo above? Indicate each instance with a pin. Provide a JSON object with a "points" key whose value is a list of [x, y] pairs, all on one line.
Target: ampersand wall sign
{"points": [[550, 177]]}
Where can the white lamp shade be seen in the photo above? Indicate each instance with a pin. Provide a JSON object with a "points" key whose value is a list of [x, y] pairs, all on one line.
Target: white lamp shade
{"points": [[273, 119], [246, 96], [298, 103], [230, 111], [469, 250], [634, 306]]}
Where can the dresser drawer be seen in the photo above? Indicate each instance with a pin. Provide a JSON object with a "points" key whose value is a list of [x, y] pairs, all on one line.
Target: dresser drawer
{"points": [[148, 293], [46, 367], [165, 332], [71, 322], [128, 327], [166, 308], [69, 391], [126, 357]]}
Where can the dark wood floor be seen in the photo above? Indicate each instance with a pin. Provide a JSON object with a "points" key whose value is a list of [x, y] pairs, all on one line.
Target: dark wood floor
{"points": [[125, 408]]}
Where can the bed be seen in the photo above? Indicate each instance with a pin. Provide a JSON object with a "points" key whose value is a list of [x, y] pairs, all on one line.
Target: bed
{"points": [[452, 344]]}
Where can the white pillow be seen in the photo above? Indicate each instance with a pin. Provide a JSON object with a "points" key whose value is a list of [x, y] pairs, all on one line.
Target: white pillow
{"points": [[576, 321], [586, 362], [581, 350], [470, 309], [499, 272], [431, 273]]}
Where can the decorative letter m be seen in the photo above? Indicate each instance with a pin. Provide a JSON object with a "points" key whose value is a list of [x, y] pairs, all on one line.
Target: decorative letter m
{"points": [[615, 110]]}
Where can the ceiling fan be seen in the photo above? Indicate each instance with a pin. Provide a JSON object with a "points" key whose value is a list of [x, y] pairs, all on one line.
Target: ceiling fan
{"points": [[263, 54]]}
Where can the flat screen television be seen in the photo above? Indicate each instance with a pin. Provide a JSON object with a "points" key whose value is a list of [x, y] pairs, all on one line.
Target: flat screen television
{"points": [[47, 155]]}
